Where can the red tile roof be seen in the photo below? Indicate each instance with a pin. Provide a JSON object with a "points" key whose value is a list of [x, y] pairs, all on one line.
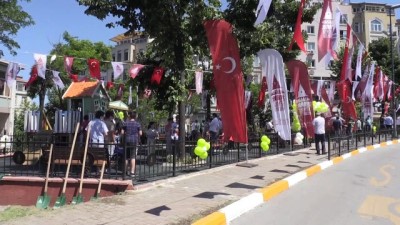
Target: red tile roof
{"points": [[81, 89]]}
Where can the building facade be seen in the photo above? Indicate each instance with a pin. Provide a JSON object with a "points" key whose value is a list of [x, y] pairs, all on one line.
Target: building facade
{"points": [[11, 100]]}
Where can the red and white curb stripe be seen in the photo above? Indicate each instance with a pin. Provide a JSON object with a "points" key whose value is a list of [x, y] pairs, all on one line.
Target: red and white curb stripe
{"points": [[234, 210]]}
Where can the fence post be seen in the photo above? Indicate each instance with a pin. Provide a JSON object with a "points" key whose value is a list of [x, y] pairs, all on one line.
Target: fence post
{"points": [[125, 150], [329, 147], [211, 153], [238, 151], [340, 143], [174, 158]]}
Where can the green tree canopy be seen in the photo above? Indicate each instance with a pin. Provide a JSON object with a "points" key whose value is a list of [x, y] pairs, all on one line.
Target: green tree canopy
{"points": [[12, 19]]}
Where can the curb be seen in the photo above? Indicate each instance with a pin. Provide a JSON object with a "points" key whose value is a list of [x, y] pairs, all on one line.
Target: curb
{"points": [[245, 204]]}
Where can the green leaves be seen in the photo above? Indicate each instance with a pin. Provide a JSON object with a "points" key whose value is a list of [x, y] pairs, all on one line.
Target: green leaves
{"points": [[12, 19]]}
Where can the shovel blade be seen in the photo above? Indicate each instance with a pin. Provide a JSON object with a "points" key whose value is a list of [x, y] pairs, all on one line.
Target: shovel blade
{"points": [[60, 201], [43, 202], [77, 199]]}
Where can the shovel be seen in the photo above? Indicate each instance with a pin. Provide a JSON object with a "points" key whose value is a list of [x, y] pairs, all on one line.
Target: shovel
{"points": [[97, 195], [79, 198], [60, 201], [44, 200]]}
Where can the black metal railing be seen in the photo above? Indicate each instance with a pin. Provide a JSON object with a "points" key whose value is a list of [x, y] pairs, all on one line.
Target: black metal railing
{"points": [[28, 155]]}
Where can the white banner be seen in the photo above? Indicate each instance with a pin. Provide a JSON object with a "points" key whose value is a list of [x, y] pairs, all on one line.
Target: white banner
{"points": [[57, 80], [11, 74], [359, 62], [199, 81], [41, 61], [118, 69], [262, 11], [368, 96], [272, 63]]}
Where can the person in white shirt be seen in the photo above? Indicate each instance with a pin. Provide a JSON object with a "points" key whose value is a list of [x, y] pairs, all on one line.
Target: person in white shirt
{"points": [[319, 131], [214, 127], [98, 130]]}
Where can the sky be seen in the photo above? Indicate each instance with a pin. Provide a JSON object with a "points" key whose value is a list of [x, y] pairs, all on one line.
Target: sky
{"points": [[54, 17]]}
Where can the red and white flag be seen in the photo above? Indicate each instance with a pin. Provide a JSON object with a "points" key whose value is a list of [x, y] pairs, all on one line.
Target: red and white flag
{"points": [[157, 75], [359, 62], [41, 61], [272, 62], [298, 35], [302, 94], [345, 94], [228, 79], [57, 80], [68, 61], [11, 74], [326, 32], [199, 81], [118, 69], [262, 11], [135, 69], [33, 77], [389, 93], [94, 68], [344, 69], [379, 90]]}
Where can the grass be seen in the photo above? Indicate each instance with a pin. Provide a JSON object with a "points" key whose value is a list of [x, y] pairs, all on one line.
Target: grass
{"points": [[14, 212]]}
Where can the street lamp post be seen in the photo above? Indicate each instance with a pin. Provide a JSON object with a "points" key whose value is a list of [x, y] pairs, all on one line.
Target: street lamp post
{"points": [[394, 108]]}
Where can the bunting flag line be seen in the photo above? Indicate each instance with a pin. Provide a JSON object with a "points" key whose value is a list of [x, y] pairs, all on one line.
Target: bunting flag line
{"points": [[57, 80], [94, 68], [11, 74], [272, 62], [199, 81], [135, 69], [118, 69], [40, 61], [302, 94], [298, 35], [228, 79], [68, 61], [262, 11]]}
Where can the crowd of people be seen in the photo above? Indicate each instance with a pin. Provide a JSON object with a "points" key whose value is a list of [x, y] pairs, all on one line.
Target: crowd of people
{"points": [[107, 129]]}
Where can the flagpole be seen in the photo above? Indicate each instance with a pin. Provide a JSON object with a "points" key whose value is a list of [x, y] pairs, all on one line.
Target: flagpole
{"points": [[137, 97]]}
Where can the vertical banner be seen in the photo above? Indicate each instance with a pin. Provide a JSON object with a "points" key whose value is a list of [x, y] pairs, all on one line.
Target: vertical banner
{"points": [[326, 32], [272, 62], [331, 94], [348, 107], [11, 74], [199, 81], [302, 94], [298, 35], [228, 79], [367, 98], [359, 62], [118, 69]]}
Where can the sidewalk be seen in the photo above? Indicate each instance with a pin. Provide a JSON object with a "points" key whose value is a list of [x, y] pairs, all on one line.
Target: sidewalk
{"points": [[183, 199]]}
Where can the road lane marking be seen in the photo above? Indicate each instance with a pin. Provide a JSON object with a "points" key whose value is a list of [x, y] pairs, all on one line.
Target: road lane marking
{"points": [[381, 207], [387, 177]]}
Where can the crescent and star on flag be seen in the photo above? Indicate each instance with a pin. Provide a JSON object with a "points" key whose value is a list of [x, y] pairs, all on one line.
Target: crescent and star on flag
{"points": [[233, 64]]}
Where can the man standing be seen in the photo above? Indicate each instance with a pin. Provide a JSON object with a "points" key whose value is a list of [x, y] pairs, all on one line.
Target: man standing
{"points": [[319, 131], [133, 132], [388, 121], [214, 128]]}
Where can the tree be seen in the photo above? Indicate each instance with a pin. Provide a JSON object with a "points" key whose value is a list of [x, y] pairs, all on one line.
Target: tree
{"points": [[12, 19], [379, 50]]}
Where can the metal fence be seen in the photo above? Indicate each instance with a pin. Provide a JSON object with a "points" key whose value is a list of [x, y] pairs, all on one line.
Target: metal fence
{"points": [[28, 155]]}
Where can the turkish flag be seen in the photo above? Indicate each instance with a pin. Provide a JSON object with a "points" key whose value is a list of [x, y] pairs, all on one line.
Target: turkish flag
{"points": [[344, 90], [298, 35], [94, 68], [157, 75], [135, 69], [228, 79], [109, 85], [34, 76], [261, 95]]}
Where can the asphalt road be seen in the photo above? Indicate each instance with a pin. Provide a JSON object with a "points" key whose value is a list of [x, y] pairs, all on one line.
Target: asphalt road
{"points": [[363, 189]]}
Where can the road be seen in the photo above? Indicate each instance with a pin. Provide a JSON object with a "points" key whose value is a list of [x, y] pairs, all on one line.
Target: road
{"points": [[363, 189]]}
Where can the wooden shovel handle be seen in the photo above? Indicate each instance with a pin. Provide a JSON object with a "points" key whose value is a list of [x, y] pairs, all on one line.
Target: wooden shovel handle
{"points": [[48, 168], [101, 177], [70, 158], [84, 160]]}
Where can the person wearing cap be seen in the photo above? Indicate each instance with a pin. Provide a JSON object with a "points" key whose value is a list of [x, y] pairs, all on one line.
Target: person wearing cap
{"points": [[319, 131]]}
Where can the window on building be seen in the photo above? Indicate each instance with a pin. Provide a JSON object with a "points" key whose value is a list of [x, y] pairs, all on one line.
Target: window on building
{"points": [[113, 57], [310, 46], [126, 55], [2, 86], [119, 56], [343, 19], [310, 30], [343, 34], [20, 87], [376, 26], [356, 27], [312, 63]]}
